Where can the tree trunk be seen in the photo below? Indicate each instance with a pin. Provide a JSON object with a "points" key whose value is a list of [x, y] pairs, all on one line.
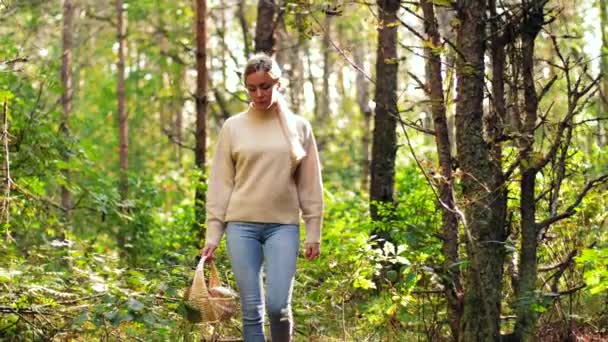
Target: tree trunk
{"points": [[177, 104], [5, 173], [525, 325], [264, 29], [296, 75], [453, 286], [201, 114], [66, 101], [311, 79], [122, 110], [282, 39], [603, 124], [366, 111], [240, 14], [384, 145], [484, 216], [324, 110], [296, 72], [445, 18], [123, 135]]}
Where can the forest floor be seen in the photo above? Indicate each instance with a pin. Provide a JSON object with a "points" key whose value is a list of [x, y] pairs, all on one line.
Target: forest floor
{"points": [[576, 332]]}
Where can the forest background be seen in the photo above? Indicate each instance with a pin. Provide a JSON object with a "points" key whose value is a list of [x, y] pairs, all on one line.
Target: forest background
{"points": [[463, 144]]}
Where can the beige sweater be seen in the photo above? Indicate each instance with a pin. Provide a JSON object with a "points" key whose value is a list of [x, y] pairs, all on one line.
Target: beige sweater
{"points": [[254, 179]]}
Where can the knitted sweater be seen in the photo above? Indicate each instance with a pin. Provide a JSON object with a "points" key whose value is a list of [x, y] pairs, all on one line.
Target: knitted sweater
{"points": [[254, 178]]}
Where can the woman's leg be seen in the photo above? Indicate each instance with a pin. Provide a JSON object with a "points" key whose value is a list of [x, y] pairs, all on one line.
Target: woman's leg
{"points": [[281, 243], [244, 242]]}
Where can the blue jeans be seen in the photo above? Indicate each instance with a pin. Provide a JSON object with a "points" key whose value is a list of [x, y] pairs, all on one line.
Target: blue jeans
{"points": [[276, 245]]}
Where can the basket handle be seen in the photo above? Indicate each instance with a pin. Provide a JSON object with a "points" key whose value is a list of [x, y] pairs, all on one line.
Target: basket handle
{"points": [[214, 278]]}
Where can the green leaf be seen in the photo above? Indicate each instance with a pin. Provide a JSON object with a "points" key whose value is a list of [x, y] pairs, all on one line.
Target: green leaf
{"points": [[538, 308], [80, 319], [135, 305], [444, 3], [391, 276], [362, 283], [5, 95]]}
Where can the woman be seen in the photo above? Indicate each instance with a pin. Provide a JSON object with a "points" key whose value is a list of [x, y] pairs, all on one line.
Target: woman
{"points": [[265, 171]]}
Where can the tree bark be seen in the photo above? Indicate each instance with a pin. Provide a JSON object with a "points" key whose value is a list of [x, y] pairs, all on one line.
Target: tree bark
{"points": [[484, 216], [445, 18], [603, 124], [240, 14], [120, 92], [384, 145], [265, 25], [453, 286], [177, 104], [201, 114], [66, 101], [525, 325], [324, 109], [366, 111], [296, 75], [311, 79], [123, 135], [282, 39]]}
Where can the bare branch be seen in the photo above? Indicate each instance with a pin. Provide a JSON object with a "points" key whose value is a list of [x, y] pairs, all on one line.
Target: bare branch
{"points": [[571, 209], [547, 87], [566, 292], [173, 139]]}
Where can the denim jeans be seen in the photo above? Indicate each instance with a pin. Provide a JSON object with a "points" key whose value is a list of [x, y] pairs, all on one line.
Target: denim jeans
{"points": [[275, 245]]}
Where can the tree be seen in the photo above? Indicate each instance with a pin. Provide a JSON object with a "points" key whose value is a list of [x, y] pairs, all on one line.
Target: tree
{"points": [[240, 13], [384, 146], [484, 202], [66, 99], [525, 324], [363, 101], [265, 27], [201, 112], [122, 112], [434, 88], [603, 131], [324, 100]]}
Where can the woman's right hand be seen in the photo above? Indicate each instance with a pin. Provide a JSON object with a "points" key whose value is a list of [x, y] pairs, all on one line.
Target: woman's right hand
{"points": [[208, 250]]}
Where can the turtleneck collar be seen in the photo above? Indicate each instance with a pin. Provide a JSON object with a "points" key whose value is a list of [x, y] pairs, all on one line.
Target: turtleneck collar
{"points": [[263, 114]]}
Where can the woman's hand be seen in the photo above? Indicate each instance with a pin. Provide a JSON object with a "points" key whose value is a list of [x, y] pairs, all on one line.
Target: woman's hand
{"points": [[312, 250], [207, 251]]}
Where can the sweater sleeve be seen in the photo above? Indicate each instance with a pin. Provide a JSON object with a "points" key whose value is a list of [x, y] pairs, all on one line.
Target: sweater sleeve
{"points": [[221, 183], [310, 188]]}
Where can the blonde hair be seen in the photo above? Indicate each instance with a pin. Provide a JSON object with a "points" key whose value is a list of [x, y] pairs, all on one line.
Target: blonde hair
{"points": [[287, 119]]}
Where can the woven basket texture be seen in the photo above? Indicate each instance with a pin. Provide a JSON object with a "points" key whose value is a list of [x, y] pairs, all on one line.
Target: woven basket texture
{"points": [[213, 302]]}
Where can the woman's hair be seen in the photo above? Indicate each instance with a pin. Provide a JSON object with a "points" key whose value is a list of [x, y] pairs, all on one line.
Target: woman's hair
{"points": [[262, 62], [265, 63]]}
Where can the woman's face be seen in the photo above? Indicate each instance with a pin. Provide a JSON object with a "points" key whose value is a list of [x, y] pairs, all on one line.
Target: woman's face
{"points": [[261, 88]]}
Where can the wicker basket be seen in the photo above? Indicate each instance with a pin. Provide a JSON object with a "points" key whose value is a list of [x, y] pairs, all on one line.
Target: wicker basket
{"points": [[213, 302]]}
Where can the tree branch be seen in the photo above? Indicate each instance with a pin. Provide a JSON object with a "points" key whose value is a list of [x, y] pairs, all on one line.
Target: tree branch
{"points": [[571, 209]]}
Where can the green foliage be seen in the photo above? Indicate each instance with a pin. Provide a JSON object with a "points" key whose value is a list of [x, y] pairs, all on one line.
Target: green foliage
{"points": [[66, 278], [595, 262]]}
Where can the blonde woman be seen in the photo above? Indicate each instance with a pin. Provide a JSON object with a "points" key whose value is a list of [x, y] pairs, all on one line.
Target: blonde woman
{"points": [[264, 173]]}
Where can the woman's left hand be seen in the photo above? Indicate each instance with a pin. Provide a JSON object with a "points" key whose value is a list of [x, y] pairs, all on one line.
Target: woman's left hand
{"points": [[312, 250]]}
